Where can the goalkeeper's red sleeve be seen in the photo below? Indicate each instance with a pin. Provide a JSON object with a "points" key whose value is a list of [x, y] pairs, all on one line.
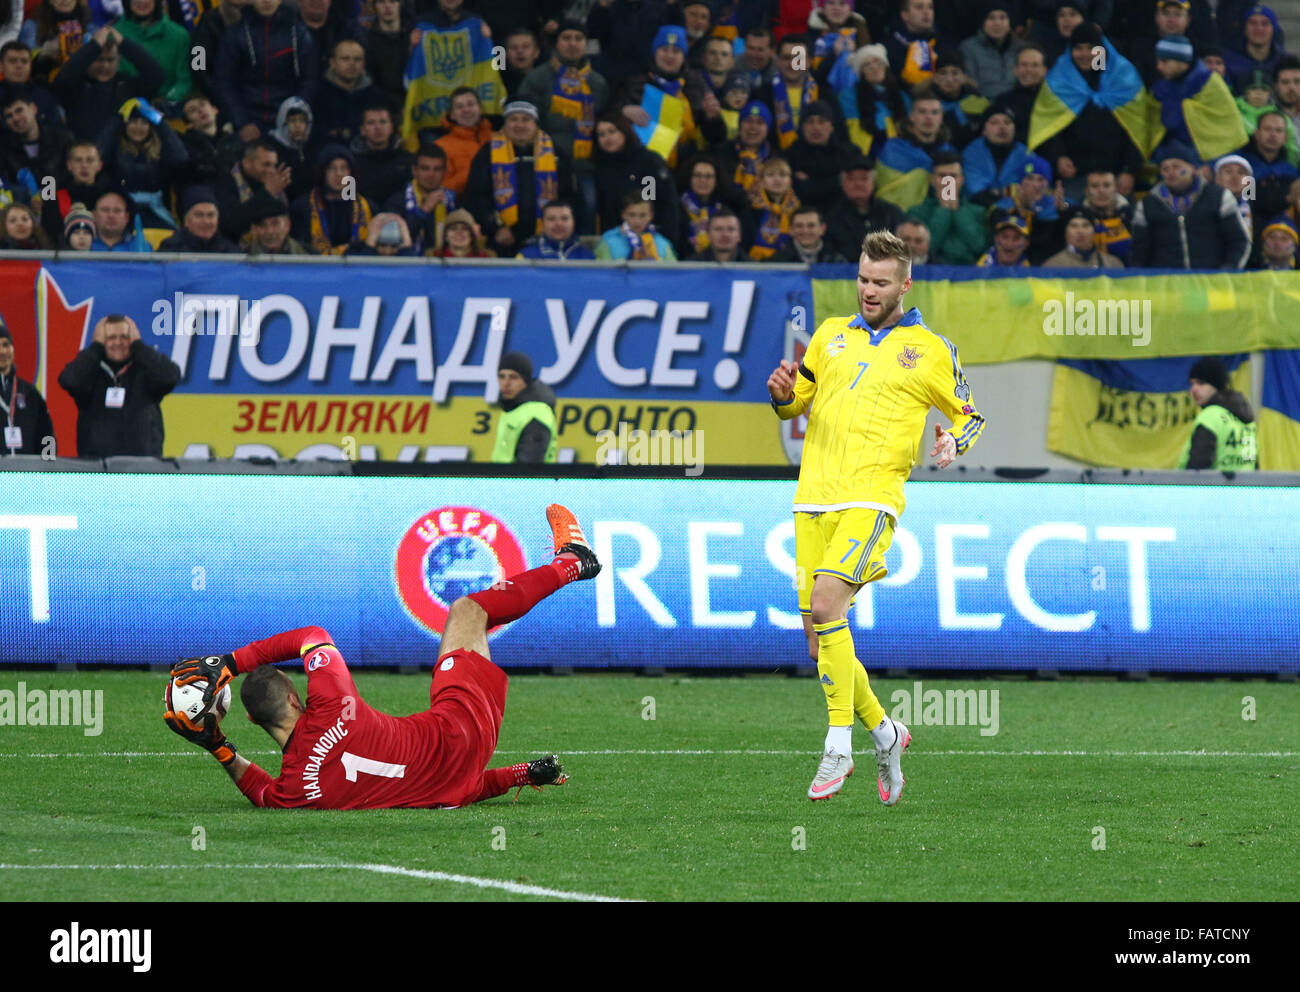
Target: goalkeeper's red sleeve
{"points": [[282, 647], [254, 783]]}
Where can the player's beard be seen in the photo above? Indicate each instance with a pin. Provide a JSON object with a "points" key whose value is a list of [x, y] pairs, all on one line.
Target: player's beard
{"points": [[888, 305]]}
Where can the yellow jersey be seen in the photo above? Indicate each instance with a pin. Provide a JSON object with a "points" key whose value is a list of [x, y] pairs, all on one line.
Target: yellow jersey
{"points": [[873, 392]]}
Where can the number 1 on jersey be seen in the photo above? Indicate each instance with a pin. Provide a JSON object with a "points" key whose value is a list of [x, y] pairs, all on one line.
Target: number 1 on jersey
{"points": [[862, 368], [352, 764]]}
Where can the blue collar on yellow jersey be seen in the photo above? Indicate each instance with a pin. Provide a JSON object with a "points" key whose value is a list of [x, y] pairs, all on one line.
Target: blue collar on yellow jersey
{"points": [[911, 318]]}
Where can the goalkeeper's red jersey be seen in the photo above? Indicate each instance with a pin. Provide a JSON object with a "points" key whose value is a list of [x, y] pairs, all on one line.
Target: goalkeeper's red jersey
{"points": [[344, 754]]}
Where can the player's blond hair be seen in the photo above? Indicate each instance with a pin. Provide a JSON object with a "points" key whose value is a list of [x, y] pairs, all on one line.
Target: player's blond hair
{"points": [[880, 245]]}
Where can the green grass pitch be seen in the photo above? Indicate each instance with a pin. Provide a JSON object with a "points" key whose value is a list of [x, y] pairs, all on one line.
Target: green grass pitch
{"points": [[705, 801]]}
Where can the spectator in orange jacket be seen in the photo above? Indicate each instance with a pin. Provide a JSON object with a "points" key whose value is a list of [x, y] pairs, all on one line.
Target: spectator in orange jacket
{"points": [[467, 132]]}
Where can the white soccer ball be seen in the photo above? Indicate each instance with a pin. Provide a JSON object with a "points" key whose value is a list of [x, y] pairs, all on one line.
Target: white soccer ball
{"points": [[188, 700]]}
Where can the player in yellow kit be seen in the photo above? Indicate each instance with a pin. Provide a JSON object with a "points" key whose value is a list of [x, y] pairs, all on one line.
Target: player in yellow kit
{"points": [[874, 377]]}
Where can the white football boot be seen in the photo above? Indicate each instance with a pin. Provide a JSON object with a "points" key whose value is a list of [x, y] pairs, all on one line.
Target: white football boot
{"points": [[887, 765], [832, 772]]}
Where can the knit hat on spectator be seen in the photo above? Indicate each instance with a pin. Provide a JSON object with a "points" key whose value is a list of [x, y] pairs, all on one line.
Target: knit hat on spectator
{"points": [[264, 206], [1173, 148], [1257, 80], [737, 79], [196, 195], [457, 216], [519, 107], [856, 160], [517, 361], [1282, 223], [671, 35], [571, 24], [4, 332], [998, 108], [1185, 4], [756, 109], [1036, 165], [135, 107], [1071, 213], [79, 217], [1240, 160], [390, 234], [858, 58], [1012, 220], [1210, 370], [330, 152], [816, 108], [950, 58], [1085, 34], [1176, 47], [1259, 8]]}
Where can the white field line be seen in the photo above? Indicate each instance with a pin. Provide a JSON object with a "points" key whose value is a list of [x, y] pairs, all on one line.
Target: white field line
{"points": [[434, 876], [669, 752]]}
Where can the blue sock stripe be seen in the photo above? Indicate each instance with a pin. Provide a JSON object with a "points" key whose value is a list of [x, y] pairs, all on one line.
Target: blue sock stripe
{"points": [[843, 625]]}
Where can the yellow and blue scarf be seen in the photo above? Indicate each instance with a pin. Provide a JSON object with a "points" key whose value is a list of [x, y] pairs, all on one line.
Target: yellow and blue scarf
{"points": [[747, 168], [571, 97], [918, 61], [641, 247], [546, 177], [773, 232], [787, 127], [321, 241], [698, 214]]}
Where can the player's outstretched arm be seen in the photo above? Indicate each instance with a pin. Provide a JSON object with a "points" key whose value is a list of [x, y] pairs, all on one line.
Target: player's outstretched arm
{"points": [[282, 647], [208, 736], [236, 768]]}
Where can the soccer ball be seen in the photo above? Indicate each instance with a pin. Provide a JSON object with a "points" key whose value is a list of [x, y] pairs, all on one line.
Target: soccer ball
{"points": [[188, 700]]}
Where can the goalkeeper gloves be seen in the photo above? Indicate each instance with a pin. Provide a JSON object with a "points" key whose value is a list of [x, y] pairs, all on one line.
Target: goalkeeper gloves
{"points": [[207, 735], [215, 672]]}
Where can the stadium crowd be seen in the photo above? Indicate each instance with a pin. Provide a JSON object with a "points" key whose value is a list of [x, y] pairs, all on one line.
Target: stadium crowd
{"points": [[1017, 133]]}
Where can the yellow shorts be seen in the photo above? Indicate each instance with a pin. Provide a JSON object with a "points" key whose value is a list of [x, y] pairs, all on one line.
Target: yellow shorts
{"points": [[849, 544]]}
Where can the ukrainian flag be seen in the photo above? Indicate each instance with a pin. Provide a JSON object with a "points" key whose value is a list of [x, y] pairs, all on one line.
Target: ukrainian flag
{"points": [[666, 125], [903, 174], [1131, 414], [1279, 416], [1200, 108], [443, 61], [1064, 95]]}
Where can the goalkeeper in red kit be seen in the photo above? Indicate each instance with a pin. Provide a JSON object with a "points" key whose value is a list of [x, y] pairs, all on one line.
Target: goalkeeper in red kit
{"points": [[340, 753]]}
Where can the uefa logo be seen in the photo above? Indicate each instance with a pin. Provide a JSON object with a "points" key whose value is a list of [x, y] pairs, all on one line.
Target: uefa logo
{"points": [[448, 553]]}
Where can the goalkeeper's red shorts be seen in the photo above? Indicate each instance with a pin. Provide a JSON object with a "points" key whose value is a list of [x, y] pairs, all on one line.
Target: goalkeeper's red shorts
{"points": [[467, 701]]}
